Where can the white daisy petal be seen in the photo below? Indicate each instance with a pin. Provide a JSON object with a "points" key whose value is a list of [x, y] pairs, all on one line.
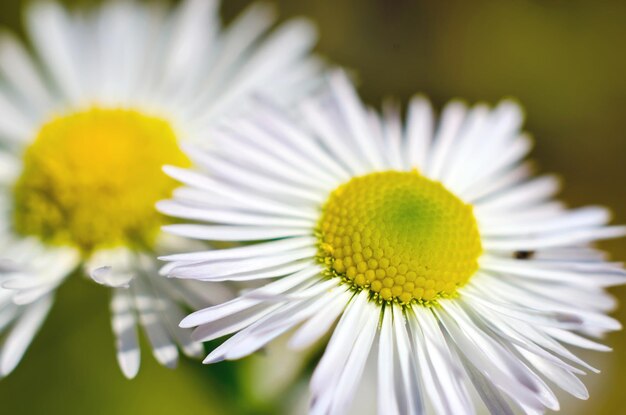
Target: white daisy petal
{"points": [[409, 387], [510, 155], [491, 397], [49, 29], [494, 185], [386, 358], [229, 325], [340, 344], [220, 311], [14, 125], [194, 27], [284, 128], [172, 314], [332, 137], [237, 39], [520, 268], [227, 268], [113, 268], [312, 330], [124, 323], [451, 121], [469, 136], [575, 340], [447, 372], [278, 246], [270, 326], [107, 276], [232, 173], [148, 308], [356, 118], [347, 384], [419, 133], [572, 237], [228, 217], [580, 218], [7, 313], [526, 194], [20, 71], [257, 203], [268, 140], [9, 168], [283, 47], [232, 233], [392, 130], [22, 334], [500, 146], [311, 302], [563, 378], [34, 279]]}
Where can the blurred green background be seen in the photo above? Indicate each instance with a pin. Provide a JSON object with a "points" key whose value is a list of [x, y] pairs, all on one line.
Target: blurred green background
{"points": [[563, 59]]}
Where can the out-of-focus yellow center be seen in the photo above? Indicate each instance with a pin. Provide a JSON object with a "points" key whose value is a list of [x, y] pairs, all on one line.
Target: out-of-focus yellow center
{"points": [[91, 179], [401, 236]]}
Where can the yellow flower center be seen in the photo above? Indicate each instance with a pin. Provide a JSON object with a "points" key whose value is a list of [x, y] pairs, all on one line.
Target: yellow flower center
{"points": [[401, 236], [91, 179]]}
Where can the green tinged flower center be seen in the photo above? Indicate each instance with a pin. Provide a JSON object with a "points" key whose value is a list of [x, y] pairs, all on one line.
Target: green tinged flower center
{"points": [[403, 237]]}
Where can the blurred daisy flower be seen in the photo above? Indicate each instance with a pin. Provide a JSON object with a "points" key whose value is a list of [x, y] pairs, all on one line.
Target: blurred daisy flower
{"points": [[430, 241], [87, 122]]}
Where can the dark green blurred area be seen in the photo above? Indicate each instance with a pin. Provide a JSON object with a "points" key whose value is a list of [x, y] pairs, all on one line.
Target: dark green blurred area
{"points": [[564, 60]]}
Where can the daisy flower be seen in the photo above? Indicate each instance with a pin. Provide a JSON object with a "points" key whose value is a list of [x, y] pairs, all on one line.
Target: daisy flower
{"points": [[88, 120], [430, 245]]}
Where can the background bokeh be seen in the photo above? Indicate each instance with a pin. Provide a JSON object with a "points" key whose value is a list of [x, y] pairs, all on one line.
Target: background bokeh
{"points": [[563, 59]]}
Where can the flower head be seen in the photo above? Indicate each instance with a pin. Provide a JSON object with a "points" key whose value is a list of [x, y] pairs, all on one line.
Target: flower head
{"points": [[88, 121], [432, 240]]}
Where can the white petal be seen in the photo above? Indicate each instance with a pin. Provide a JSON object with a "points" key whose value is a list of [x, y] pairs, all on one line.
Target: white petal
{"points": [[297, 138], [341, 342], [312, 330], [451, 121], [356, 118], [419, 132], [353, 370], [227, 268], [541, 241], [387, 403], [288, 43], [14, 125], [124, 324], [222, 190], [393, 134], [238, 304], [259, 183], [21, 72], [529, 193], [236, 39], [579, 218], [447, 371], [234, 233], [228, 217], [565, 336], [409, 386], [49, 29], [334, 139], [148, 308], [22, 334], [266, 248], [564, 379]]}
